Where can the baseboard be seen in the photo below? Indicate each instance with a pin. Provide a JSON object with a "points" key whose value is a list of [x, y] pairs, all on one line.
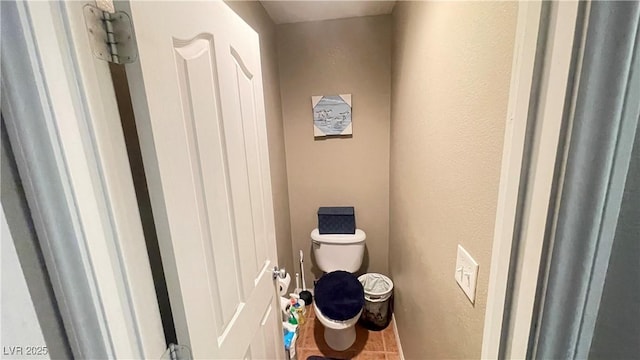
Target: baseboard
{"points": [[395, 331]]}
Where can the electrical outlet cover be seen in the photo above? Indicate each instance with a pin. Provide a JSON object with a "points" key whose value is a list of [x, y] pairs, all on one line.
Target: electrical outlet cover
{"points": [[466, 273]]}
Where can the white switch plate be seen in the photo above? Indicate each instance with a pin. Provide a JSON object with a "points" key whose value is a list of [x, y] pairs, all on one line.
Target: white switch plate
{"points": [[466, 273]]}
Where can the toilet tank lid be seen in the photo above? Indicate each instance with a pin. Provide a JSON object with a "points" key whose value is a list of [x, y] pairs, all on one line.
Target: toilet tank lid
{"points": [[358, 237]]}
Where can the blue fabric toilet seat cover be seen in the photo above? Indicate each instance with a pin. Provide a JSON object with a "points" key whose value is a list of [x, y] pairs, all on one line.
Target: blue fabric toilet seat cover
{"points": [[339, 295]]}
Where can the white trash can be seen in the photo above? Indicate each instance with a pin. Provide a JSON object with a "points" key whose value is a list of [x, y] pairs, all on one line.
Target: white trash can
{"points": [[378, 296]]}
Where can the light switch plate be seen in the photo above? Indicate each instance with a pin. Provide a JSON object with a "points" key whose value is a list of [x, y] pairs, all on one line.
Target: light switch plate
{"points": [[466, 273]]}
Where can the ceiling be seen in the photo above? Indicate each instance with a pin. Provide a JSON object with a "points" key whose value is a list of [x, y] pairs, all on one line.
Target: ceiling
{"points": [[282, 12]]}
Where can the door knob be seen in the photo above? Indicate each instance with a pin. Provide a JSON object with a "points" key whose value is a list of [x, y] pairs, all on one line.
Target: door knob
{"points": [[279, 273]]}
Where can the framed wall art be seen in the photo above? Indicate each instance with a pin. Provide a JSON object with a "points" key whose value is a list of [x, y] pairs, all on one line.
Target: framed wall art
{"points": [[331, 115]]}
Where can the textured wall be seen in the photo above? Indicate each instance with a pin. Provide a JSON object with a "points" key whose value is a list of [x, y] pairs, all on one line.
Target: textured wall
{"points": [[328, 58], [254, 14], [450, 83]]}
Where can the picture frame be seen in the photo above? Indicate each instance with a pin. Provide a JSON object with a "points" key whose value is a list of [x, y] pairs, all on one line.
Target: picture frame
{"points": [[332, 115]]}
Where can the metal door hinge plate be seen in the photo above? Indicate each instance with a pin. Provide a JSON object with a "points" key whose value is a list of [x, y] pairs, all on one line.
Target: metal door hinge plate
{"points": [[110, 35]]}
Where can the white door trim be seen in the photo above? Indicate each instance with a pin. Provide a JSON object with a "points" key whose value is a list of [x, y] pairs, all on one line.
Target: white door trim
{"points": [[556, 89], [520, 98], [66, 134], [541, 85]]}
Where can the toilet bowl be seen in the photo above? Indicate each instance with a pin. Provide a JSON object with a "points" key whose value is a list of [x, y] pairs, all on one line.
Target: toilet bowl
{"points": [[339, 299], [339, 335], [339, 296]]}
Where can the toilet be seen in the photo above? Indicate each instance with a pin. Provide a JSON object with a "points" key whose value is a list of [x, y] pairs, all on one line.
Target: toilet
{"points": [[339, 296]]}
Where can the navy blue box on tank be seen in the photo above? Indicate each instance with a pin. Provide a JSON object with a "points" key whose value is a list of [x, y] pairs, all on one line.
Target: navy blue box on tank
{"points": [[336, 220]]}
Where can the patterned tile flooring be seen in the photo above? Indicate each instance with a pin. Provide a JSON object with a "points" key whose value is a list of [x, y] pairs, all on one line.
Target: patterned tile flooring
{"points": [[369, 345]]}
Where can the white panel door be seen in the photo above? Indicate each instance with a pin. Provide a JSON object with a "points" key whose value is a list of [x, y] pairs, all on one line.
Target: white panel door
{"points": [[197, 94]]}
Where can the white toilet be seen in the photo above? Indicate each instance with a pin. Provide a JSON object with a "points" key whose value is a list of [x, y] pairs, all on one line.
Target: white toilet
{"points": [[336, 254]]}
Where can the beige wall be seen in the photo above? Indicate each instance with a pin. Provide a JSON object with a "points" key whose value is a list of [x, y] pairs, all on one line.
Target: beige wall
{"points": [[254, 14], [328, 58], [450, 83]]}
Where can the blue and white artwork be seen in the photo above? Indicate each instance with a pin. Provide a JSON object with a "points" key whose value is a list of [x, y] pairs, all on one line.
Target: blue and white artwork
{"points": [[332, 115]]}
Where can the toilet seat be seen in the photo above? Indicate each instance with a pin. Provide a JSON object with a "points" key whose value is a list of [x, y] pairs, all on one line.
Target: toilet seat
{"points": [[336, 324], [339, 296]]}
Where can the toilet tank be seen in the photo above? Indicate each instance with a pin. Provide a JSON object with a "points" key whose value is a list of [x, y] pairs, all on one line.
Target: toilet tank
{"points": [[338, 251]]}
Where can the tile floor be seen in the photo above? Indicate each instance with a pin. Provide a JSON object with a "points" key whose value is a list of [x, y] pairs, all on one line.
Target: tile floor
{"points": [[369, 345]]}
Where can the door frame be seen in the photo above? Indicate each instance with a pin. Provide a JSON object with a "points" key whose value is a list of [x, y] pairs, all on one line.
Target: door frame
{"points": [[513, 158], [605, 111], [547, 54], [72, 160]]}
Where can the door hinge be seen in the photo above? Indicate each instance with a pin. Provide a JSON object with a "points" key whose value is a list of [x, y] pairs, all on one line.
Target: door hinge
{"points": [[177, 352], [110, 35]]}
